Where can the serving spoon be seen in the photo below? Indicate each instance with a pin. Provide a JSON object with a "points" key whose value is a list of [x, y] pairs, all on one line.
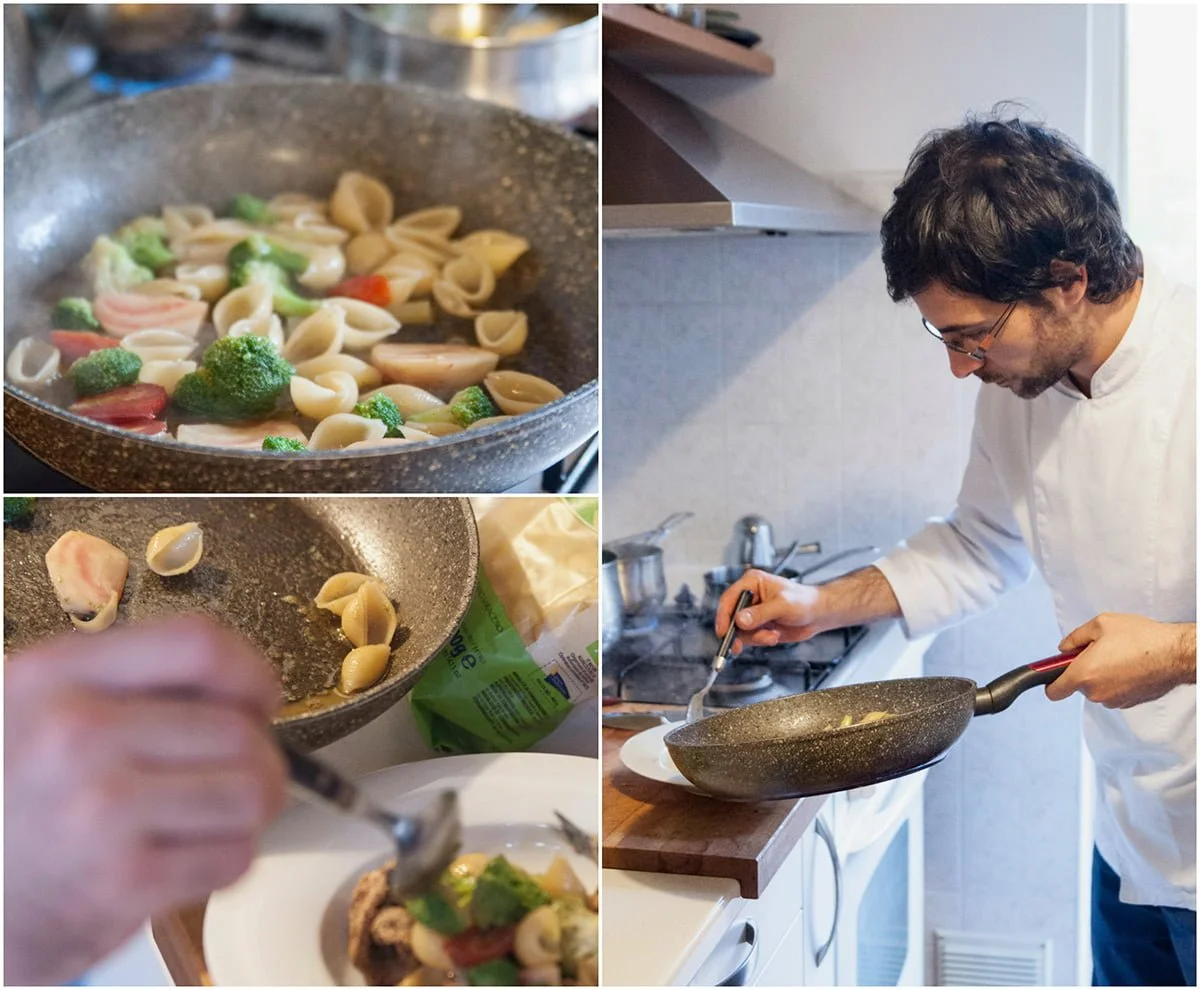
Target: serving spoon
{"points": [[426, 842]]}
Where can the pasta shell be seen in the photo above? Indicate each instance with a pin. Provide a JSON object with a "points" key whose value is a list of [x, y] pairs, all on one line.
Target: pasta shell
{"points": [[123, 313], [311, 228], [33, 362], [253, 301], [167, 287], [406, 265], [406, 242], [409, 399], [471, 276], [326, 267], [437, 367], [369, 617], [211, 242], [88, 576], [363, 666], [286, 206], [449, 298], [435, 221], [247, 437], [503, 332], [366, 325], [159, 345], [165, 374], [410, 436], [333, 392], [317, 336], [366, 376], [416, 313], [183, 218], [487, 421], [500, 248], [175, 550], [515, 392], [336, 593], [361, 203], [342, 429], [367, 252], [436, 430], [268, 326], [211, 279]]}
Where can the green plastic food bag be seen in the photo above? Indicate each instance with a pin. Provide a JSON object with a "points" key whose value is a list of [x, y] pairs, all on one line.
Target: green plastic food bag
{"points": [[527, 650]]}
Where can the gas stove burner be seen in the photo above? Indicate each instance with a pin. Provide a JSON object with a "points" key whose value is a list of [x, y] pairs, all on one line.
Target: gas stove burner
{"points": [[738, 679], [125, 78]]}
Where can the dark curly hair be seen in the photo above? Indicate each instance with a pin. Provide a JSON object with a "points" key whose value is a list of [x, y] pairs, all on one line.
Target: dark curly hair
{"points": [[986, 207]]}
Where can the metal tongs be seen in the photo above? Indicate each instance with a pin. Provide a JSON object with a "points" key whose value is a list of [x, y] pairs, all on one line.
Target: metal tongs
{"points": [[426, 842]]}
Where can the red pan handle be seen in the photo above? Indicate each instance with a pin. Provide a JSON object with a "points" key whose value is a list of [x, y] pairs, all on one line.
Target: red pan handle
{"points": [[1005, 689]]}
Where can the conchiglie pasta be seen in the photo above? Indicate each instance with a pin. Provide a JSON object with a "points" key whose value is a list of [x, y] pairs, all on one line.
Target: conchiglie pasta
{"points": [[246, 437], [175, 550], [407, 266], [516, 392], [317, 336], [365, 375], [450, 299], [183, 218], [363, 666], [342, 429], [409, 399], [361, 203], [33, 363], [500, 248], [439, 429], [369, 618], [165, 374], [365, 325], [287, 205], [249, 302], [437, 367], [311, 228], [418, 312], [436, 222], [479, 424], [159, 345], [336, 593], [503, 332], [211, 280], [471, 277], [326, 266], [367, 252], [168, 287], [436, 253], [331, 393], [211, 242]]}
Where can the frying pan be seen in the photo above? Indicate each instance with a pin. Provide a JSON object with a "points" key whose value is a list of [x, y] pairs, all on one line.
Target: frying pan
{"points": [[87, 174], [786, 748], [264, 560]]}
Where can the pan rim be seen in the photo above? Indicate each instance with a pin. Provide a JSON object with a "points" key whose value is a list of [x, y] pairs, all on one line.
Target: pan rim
{"points": [[584, 27], [789, 740]]}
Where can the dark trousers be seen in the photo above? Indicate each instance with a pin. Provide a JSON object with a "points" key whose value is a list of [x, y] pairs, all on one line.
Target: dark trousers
{"points": [[1135, 945]]}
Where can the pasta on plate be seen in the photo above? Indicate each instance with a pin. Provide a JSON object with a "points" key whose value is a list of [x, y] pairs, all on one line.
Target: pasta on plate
{"points": [[290, 324]]}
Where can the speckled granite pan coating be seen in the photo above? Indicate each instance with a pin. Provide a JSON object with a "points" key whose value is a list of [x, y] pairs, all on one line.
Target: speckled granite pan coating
{"points": [[85, 174], [781, 749], [256, 551]]}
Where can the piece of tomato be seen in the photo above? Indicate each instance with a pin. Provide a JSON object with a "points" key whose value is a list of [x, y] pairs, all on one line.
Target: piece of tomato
{"points": [[74, 344], [148, 427], [373, 289], [130, 402], [479, 945]]}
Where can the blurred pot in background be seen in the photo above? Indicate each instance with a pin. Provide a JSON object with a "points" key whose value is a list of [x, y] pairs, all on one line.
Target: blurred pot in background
{"points": [[157, 41]]}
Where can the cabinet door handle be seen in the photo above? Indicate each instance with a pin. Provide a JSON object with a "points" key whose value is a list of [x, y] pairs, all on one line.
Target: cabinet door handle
{"points": [[745, 969], [824, 833]]}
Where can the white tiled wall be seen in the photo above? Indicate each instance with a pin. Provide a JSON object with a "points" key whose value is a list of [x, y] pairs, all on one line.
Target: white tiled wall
{"points": [[775, 376]]}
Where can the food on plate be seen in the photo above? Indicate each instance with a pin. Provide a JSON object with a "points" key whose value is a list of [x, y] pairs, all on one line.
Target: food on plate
{"points": [[176, 549], [18, 509], [88, 575], [487, 922], [848, 720], [272, 311]]}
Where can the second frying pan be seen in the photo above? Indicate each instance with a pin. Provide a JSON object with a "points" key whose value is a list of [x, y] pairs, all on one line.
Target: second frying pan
{"points": [[795, 747]]}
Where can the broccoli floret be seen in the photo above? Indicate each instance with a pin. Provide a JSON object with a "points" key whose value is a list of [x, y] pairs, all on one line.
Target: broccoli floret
{"points": [[104, 370], [146, 241], [238, 378], [504, 895], [466, 407], [434, 910], [282, 443], [251, 209], [18, 510], [111, 268], [74, 313], [258, 260], [580, 932], [380, 407], [501, 972]]}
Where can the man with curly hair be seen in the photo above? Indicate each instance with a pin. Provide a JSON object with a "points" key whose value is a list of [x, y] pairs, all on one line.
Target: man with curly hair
{"points": [[1083, 465]]}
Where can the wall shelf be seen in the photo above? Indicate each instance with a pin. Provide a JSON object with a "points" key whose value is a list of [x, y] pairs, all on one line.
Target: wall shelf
{"points": [[648, 42]]}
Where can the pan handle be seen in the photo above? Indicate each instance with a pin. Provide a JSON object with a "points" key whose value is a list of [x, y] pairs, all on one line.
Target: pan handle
{"points": [[1005, 689]]}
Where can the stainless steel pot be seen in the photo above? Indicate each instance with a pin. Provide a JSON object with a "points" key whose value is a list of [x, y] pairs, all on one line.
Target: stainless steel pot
{"points": [[639, 562], [546, 63], [612, 613]]}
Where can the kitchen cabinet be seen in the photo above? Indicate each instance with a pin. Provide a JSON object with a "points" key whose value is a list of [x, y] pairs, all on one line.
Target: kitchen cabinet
{"points": [[649, 42]]}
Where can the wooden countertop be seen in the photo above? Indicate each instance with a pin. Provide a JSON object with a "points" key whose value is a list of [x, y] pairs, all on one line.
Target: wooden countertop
{"points": [[659, 828]]}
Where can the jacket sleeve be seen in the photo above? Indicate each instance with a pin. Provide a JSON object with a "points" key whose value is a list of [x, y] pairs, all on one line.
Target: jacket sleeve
{"points": [[959, 566]]}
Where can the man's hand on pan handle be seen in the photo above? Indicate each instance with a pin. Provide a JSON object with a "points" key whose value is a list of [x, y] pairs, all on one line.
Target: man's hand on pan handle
{"points": [[1127, 660], [139, 771], [786, 612]]}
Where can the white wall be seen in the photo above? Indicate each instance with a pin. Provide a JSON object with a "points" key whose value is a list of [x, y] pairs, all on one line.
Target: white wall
{"points": [[775, 376]]}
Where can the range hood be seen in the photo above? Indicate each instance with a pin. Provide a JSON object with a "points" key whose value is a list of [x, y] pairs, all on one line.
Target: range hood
{"points": [[670, 168]]}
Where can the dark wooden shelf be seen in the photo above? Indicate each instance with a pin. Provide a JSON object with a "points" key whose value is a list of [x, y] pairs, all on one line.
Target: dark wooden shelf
{"points": [[648, 42]]}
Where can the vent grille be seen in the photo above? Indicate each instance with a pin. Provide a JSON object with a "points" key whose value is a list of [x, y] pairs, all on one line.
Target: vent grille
{"points": [[963, 959]]}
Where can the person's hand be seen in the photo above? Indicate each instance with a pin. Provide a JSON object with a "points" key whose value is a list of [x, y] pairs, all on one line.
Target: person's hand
{"points": [[1127, 660], [139, 770], [781, 611]]}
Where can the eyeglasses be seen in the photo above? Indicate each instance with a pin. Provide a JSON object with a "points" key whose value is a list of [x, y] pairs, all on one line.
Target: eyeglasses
{"points": [[979, 353]]}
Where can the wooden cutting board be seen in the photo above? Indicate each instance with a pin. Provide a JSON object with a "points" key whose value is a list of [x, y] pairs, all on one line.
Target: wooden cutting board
{"points": [[659, 828]]}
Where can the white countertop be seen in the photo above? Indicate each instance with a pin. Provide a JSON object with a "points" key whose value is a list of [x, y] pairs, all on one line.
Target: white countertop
{"points": [[656, 927], [389, 740]]}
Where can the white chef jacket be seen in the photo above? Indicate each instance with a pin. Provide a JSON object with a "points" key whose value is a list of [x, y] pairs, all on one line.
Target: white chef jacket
{"points": [[1100, 495]]}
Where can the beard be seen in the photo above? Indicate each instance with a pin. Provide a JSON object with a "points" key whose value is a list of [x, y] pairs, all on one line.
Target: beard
{"points": [[1059, 344]]}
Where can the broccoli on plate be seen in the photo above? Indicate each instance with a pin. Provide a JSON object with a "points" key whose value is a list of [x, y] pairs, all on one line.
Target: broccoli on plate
{"points": [[504, 895]]}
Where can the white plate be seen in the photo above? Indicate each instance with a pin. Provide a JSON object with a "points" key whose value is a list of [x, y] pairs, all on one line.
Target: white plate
{"points": [[646, 754], [284, 922]]}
